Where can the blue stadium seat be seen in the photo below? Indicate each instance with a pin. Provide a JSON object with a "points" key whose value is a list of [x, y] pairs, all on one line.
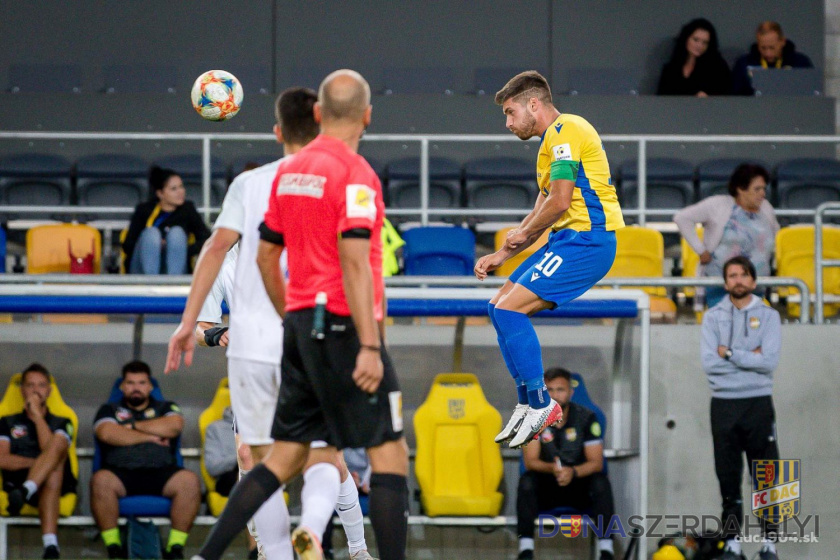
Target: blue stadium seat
{"points": [[670, 183], [419, 80], [713, 175], [2, 250], [404, 183], [439, 251], [140, 78], [138, 505], [35, 180], [111, 180], [489, 80], [500, 181], [602, 81], [45, 78], [807, 182], [188, 167], [379, 169]]}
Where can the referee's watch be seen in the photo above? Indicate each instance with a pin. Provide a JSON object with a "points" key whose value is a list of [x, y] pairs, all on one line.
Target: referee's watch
{"points": [[728, 354]]}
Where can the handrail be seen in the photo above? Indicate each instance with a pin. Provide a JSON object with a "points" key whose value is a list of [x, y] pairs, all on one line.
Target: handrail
{"points": [[819, 261]]}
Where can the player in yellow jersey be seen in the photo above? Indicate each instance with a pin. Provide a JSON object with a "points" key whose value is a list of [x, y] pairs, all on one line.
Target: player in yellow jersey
{"points": [[578, 202]]}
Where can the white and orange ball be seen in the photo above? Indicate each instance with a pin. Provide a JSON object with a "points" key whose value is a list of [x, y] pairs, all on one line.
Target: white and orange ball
{"points": [[217, 95]]}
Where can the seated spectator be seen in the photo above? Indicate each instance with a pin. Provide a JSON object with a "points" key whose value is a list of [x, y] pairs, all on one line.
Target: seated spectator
{"points": [[741, 223], [696, 66], [770, 50], [564, 468], [33, 456], [165, 231], [138, 440]]}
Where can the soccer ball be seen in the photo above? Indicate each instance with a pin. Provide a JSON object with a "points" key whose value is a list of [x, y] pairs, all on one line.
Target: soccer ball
{"points": [[217, 95]]}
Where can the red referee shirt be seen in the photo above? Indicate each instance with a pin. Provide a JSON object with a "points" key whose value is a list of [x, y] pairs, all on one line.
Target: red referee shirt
{"points": [[324, 190]]}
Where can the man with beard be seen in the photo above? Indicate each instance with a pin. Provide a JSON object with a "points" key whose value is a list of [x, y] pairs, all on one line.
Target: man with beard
{"points": [[578, 202], [742, 337], [564, 468], [138, 439]]}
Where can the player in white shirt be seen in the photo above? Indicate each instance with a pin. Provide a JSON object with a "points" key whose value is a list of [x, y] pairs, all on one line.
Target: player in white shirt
{"points": [[255, 342]]}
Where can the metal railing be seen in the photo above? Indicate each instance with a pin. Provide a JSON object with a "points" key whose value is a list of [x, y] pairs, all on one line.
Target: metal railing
{"points": [[819, 261]]}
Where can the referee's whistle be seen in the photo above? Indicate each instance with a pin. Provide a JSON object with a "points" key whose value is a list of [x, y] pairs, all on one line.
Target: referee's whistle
{"points": [[318, 319]]}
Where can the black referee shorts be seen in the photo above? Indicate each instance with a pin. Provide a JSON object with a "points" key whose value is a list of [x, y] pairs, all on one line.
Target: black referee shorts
{"points": [[318, 398]]}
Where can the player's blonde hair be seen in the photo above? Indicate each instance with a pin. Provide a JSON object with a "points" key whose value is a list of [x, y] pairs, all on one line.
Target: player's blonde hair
{"points": [[524, 86]]}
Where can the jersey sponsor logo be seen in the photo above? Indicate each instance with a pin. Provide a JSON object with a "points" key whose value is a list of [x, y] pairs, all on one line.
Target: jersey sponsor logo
{"points": [[595, 429], [776, 492], [123, 414], [19, 431], [395, 401], [149, 413], [534, 276], [755, 322], [547, 436], [361, 202], [301, 184], [562, 152], [571, 434]]}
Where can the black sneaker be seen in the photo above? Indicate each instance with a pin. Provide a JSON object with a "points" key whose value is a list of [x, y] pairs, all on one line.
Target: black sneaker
{"points": [[51, 552], [16, 500], [116, 551], [174, 553], [526, 555], [606, 555]]}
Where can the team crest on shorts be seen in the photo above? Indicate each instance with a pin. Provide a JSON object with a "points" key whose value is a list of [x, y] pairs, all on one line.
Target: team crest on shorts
{"points": [[19, 431], [571, 525], [776, 489]]}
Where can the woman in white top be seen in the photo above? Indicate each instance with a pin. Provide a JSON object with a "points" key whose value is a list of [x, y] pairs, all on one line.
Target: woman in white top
{"points": [[739, 223]]}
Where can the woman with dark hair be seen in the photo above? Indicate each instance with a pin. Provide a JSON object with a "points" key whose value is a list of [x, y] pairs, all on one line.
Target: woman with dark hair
{"points": [[739, 223], [165, 230], [696, 66]]}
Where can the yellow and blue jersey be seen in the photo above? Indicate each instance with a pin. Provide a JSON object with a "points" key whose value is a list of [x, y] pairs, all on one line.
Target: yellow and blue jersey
{"points": [[571, 149]]}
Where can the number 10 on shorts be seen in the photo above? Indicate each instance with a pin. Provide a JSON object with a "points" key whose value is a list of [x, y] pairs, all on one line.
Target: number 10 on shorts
{"points": [[549, 264]]}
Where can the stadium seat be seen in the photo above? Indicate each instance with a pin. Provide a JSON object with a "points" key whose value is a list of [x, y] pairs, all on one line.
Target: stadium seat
{"points": [[690, 261], [713, 176], [45, 78], [378, 168], [138, 505], [419, 80], [670, 183], [602, 81], [221, 400], [188, 167], [140, 78], [111, 180], [501, 181], [2, 250], [807, 182], [12, 403], [795, 257], [511, 264], [489, 80], [35, 180], [48, 247], [404, 183], [640, 252], [458, 467], [439, 251]]}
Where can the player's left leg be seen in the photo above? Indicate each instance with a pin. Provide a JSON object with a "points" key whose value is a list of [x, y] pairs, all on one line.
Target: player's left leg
{"points": [[49, 499]]}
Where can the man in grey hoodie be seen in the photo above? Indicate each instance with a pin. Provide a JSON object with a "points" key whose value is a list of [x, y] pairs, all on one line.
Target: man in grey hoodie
{"points": [[741, 340]]}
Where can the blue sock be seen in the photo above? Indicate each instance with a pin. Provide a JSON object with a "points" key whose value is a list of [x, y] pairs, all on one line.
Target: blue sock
{"points": [[524, 349], [521, 390]]}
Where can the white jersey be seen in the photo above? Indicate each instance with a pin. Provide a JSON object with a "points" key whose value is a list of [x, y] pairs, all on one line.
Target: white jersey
{"points": [[256, 330], [222, 290]]}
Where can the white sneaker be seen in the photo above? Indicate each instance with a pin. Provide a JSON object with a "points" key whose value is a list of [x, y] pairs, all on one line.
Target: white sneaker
{"points": [[536, 420], [361, 555], [307, 546], [513, 424]]}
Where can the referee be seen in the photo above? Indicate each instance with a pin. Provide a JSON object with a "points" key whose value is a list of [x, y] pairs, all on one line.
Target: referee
{"points": [[338, 385], [740, 350]]}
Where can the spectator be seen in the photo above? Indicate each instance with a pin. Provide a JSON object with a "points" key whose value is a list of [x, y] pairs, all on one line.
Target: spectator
{"points": [[741, 340], [739, 223], [33, 456], [696, 66], [771, 50], [165, 231], [138, 437], [564, 468]]}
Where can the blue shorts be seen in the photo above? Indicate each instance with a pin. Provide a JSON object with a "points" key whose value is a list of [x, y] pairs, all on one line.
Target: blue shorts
{"points": [[568, 265]]}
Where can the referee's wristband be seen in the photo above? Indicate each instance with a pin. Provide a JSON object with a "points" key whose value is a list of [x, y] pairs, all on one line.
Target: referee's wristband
{"points": [[214, 335], [372, 348]]}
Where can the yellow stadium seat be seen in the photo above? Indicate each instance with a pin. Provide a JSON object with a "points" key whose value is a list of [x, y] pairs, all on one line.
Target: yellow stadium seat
{"points": [[458, 465], [795, 257], [12, 403], [48, 247], [510, 265], [221, 400], [690, 261]]}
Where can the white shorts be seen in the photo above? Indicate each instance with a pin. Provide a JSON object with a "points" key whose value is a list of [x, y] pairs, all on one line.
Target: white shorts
{"points": [[254, 387]]}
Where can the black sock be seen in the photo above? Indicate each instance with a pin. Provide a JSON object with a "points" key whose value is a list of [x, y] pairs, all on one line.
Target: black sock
{"points": [[247, 497], [389, 514]]}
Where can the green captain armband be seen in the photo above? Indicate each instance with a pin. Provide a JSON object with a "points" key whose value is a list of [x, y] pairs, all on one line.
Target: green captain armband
{"points": [[564, 169]]}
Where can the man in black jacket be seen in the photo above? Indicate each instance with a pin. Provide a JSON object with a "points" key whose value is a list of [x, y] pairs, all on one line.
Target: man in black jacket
{"points": [[770, 50]]}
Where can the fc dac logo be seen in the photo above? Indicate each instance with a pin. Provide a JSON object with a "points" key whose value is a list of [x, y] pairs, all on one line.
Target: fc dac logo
{"points": [[776, 489], [571, 525], [457, 408]]}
